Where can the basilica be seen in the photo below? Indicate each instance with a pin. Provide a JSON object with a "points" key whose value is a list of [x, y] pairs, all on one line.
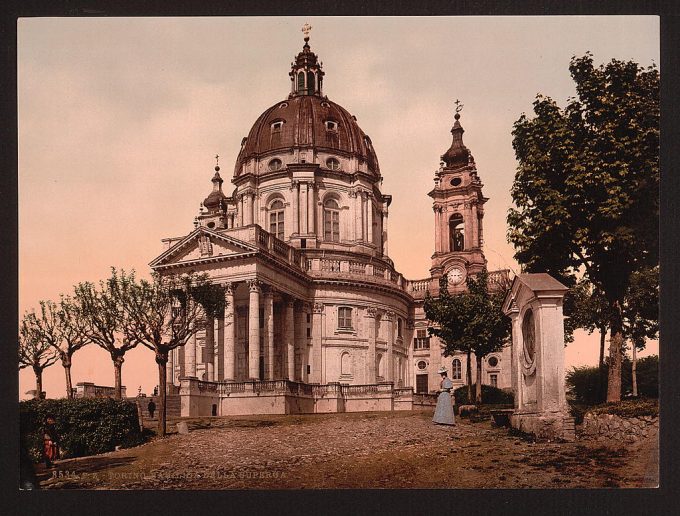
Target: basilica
{"points": [[315, 308]]}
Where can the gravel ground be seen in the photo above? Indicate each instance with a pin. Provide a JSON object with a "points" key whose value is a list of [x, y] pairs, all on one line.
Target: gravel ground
{"points": [[376, 450]]}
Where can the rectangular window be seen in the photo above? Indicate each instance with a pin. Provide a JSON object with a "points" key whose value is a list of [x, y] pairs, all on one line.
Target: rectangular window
{"points": [[494, 380], [421, 341], [332, 226], [345, 318]]}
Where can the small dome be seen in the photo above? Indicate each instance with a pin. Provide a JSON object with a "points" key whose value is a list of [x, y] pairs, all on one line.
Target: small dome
{"points": [[458, 154], [214, 200], [307, 120]]}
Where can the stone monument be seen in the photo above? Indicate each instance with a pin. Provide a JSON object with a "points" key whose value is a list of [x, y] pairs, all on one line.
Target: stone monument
{"points": [[534, 304]]}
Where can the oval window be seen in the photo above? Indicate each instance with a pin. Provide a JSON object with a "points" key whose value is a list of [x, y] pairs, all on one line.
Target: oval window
{"points": [[275, 164], [333, 164], [456, 181], [493, 361], [283, 105], [422, 365]]}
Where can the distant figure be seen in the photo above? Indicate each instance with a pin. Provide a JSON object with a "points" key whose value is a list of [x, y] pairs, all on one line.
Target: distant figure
{"points": [[152, 408], [155, 391], [443, 414], [50, 441]]}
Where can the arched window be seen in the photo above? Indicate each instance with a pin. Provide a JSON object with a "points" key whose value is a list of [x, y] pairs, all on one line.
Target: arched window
{"points": [[346, 364], [276, 219], [380, 365], [456, 232], [310, 82], [456, 370], [275, 164], [333, 164], [331, 221], [301, 81]]}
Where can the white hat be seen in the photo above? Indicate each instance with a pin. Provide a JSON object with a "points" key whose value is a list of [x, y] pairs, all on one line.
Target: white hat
{"points": [[442, 369]]}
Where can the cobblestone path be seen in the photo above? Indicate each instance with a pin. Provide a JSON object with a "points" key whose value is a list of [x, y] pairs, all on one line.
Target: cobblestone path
{"points": [[389, 450]]}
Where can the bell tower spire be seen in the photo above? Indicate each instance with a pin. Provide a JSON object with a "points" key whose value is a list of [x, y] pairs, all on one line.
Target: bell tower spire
{"points": [[458, 208], [306, 74]]}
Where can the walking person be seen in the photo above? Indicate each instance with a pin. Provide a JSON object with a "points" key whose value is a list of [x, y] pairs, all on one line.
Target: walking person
{"points": [[443, 414], [50, 441], [152, 408]]}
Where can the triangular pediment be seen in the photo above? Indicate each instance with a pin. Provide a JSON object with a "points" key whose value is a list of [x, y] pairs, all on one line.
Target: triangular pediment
{"points": [[202, 244]]}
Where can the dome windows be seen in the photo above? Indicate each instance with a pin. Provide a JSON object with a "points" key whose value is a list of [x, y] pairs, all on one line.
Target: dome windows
{"points": [[283, 105], [277, 126], [333, 164], [456, 181], [274, 164], [325, 104], [331, 125], [331, 221]]}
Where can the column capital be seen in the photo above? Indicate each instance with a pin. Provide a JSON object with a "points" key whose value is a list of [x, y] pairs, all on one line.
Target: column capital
{"points": [[317, 308], [389, 315], [352, 193], [290, 301], [255, 285], [268, 290], [371, 312], [229, 288]]}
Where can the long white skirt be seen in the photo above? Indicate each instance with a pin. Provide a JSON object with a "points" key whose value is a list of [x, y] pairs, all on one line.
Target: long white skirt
{"points": [[443, 414]]}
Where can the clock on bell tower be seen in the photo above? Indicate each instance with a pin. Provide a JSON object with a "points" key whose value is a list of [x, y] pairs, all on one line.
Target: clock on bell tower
{"points": [[458, 211]]}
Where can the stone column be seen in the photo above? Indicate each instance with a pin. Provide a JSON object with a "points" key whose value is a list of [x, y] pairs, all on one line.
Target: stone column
{"points": [[371, 314], [352, 229], [209, 348], [311, 197], [219, 349], [190, 356], [475, 227], [515, 349], [301, 341], [229, 334], [410, 373], [369, 211], [290, 338], [294, 188], [315, 376], [269, 334], [241, 211], [384, 231], [437, 229], [389, 364], [303, 209], [444, 227], [254, 330], [467, 217]]}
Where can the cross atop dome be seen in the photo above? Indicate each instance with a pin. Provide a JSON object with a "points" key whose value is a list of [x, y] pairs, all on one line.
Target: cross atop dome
{"points": [[306, 28]]}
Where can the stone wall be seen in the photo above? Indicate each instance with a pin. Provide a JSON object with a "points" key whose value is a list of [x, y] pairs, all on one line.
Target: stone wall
{"points": [[609, 427]]}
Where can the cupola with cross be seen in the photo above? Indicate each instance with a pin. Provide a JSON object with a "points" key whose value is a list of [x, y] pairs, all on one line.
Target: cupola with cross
{"points": [[459, 209], [214, 212], [306, 74]]}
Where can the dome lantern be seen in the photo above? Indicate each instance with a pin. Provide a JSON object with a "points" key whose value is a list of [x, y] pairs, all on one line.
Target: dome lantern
{"points": [[306, 74], [458, 153]]}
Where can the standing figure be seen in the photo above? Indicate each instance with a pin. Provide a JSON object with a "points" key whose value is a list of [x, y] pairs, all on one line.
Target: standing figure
{"points": [[443, 414], [50, 441], [152, 408]]}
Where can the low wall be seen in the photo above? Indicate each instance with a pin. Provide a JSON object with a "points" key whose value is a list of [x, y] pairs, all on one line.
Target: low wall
{"points": [[606, 427], [423, 401], [546, 425]]}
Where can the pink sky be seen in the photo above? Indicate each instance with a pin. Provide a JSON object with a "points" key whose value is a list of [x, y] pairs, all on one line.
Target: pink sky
{"points": [[119, 120]]}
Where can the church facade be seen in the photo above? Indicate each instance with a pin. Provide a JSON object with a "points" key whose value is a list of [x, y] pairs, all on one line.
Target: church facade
{"points": [[300, 243]]}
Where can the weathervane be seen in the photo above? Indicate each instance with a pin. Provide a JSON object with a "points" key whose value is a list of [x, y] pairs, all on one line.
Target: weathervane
{"points": [[459, 106], [217, 159], [305, 29]]}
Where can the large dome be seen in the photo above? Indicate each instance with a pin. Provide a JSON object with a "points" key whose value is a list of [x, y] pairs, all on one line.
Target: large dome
{"points": [[307, 121]]}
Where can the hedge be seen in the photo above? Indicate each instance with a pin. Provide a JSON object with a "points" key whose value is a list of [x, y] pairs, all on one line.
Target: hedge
{"points": [[86, 426], [490, 395]]}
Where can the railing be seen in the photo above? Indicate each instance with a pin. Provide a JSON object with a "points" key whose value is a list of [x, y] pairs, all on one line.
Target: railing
{"points": [[380, 388], [378, 271], [330, 265], [357, 267], [258, 386], [207, 386]]}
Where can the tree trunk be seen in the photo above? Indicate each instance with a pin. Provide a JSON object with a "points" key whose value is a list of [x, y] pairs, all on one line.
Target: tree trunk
{"points": [[162, 361], [478, 394], [117, 366], [469, 377], [634, 371], [69, 388], [38, 382], [615, 346], [602, 377]]}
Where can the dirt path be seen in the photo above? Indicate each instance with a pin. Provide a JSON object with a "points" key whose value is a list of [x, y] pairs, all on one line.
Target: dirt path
{"points": [[390, 450]]}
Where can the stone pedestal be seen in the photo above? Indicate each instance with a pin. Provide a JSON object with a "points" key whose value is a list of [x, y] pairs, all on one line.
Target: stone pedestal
{"points": [[534, 304]]}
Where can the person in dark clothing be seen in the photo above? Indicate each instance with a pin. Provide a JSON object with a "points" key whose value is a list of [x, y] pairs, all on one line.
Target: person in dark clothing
{"points": [[152, 408], [50, 441], [27, 478]]}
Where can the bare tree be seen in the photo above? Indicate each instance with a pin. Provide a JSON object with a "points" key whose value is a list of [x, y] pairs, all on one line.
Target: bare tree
{"points": [[164, 314], [33, 351]]}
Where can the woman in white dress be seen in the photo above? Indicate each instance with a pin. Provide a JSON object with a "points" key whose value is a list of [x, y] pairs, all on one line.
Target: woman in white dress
{"points": [[443, 414]]}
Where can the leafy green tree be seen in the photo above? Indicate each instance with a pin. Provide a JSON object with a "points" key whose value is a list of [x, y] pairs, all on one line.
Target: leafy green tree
{"points": [[63, 328], [471, 322], [164, 314], [103, 311], [586, 187], [34, 352]]}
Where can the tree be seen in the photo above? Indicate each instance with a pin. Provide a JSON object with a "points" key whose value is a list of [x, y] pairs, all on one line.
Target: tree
{"points": [[63, 328], [641, 314], [586, 187], [164, 314], [472, 322], [104, 315], [33, 351]]}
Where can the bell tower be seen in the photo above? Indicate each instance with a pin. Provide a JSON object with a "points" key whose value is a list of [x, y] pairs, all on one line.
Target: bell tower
{"points": [[458, 211]]}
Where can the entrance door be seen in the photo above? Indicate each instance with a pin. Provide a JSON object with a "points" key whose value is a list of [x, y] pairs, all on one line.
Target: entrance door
{"points": [[421, 383]]}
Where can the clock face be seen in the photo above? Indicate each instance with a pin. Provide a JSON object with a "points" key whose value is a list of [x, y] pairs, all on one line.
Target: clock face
{"points": [[456, 275]]}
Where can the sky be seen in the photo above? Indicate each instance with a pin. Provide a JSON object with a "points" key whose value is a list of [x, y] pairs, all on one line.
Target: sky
{"points": [[120, 120]]}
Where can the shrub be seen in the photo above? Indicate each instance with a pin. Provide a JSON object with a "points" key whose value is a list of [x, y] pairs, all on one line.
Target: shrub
{"points": [[629, 408], [86, 426], [583, 382], [490, 396]]}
